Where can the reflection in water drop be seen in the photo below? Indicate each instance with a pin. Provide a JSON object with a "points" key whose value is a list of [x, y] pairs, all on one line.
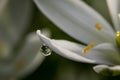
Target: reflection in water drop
{"points": [[46, 51]]}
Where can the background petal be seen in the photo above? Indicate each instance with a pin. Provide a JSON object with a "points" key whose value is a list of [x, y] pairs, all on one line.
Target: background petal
{"points": [[114, 8], [26, 61], [14, 20], [107, 70], [3, 4]]}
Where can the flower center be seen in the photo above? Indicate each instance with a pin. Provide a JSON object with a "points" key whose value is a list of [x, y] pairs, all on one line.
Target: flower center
{"points": [[118, 38]]}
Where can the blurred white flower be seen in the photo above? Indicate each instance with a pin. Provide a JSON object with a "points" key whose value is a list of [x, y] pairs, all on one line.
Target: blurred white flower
{"points": [[86, 25], [3, 3], [16, 63]]}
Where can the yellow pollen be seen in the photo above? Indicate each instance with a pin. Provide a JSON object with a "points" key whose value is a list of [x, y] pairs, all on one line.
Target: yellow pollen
{"points": [[98, 26], [88, 47], [118, 34], [118, 38]]}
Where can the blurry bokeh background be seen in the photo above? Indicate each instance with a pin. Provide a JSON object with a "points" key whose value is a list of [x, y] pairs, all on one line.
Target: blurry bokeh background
{"points": [[55, 67]]}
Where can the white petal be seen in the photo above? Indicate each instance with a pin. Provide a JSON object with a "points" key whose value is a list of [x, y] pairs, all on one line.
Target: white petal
{"points": [[60, 48], [105, 53], [99, 68], [101, 54], [28, 58], [107, 70], [114, 9], [77, 19]]}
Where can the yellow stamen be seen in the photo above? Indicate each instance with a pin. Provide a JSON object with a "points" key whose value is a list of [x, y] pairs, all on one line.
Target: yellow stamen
{"points": [[118, 37], [98, 26], [88, 47]]}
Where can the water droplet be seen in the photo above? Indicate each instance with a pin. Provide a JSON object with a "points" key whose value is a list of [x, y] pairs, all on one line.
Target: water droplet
{"points": [[46, 51]]}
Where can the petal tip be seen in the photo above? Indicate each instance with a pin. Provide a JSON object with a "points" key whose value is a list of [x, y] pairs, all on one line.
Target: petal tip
{"points": [[38, 32], [99, 68]]}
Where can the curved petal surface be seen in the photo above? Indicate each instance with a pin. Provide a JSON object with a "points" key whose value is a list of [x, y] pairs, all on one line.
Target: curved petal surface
{"points": [[101, 54], [74, 17], [61, 49], [105, 53]]}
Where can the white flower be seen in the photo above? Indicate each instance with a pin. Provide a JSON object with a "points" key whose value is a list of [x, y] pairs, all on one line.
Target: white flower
{"points": [[17, 59], [86, 25]]}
